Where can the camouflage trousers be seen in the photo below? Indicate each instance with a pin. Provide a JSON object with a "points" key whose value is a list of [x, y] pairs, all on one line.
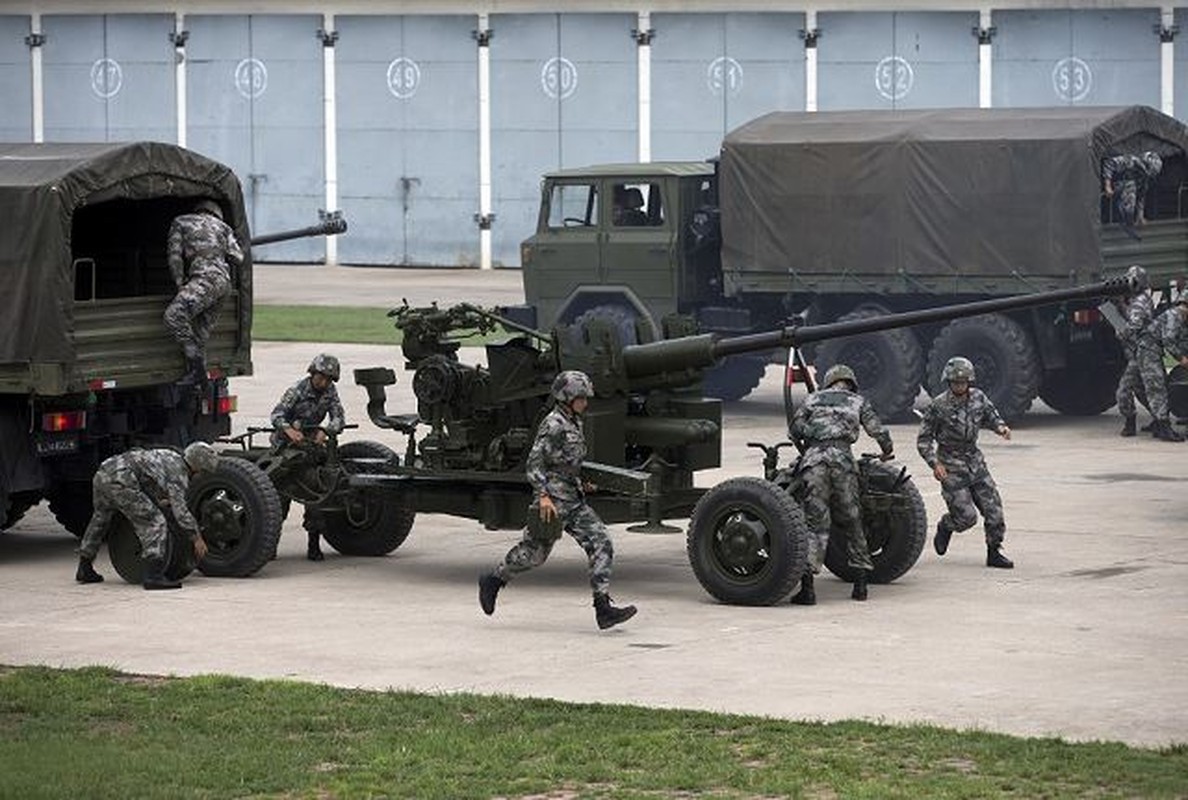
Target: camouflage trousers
{"points": [[112, 497], [1126, 201], [1144, 368], [968, 489], [194, 311], [586, 528], [833, 501]]}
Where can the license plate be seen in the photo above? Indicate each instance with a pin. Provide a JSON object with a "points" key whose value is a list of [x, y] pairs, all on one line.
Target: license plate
{"points": [[57, 445]]}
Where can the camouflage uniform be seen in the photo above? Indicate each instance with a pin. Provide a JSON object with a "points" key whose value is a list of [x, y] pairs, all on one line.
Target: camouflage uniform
{"points": [[953, 423], [1130, 176], [303, 406], [138, 484], [827, 424], [554, 463], [1144, 360], [205, 244]]}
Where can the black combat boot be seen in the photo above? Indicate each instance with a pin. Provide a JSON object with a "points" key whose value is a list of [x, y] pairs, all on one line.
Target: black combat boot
{"points": [[1128, 428], [489, 586], [859, 592], [995, 558], [86, 571], [195, 373], [940, 542], [154, 575], [806, 596], [1162, 430], [313, 550], [609, 615]]}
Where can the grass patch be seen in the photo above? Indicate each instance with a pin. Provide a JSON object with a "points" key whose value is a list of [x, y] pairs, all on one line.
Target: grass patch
{"points": [[338, 324], [96, 733]]}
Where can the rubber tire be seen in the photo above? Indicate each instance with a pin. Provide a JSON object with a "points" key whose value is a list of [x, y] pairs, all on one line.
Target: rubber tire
{"points": [[786, 542], [1082, 392], [123, 548], [624, 321], [1177, 391], [889, 365], [245, 555], [1006, 365], [896, 525], [734, 378], [72, 504], [388, 523]]}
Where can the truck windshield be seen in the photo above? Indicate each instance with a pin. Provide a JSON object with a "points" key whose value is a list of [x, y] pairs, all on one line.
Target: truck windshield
{"points": [[573, 205]]}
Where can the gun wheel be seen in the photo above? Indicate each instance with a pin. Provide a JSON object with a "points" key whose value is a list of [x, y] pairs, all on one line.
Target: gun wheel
{"points": [[747, 542], [239, 513], [123, 548], [895, 522], [371, 522]]}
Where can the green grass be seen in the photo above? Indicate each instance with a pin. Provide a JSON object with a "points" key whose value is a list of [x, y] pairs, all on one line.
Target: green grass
{"points": [[95, 733], [340, 324]]}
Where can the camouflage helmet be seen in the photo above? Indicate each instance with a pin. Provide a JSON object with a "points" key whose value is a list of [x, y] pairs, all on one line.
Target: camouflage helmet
{"points": [[208, 206], [1153, 162], [840, 372], [201, 457], [1136, 276], [570, 385], [325, 364], [958, 368]]}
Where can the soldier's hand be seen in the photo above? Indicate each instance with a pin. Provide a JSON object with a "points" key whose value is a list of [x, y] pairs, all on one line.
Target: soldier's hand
{"points": [[199, 548], [588, 487], [295, 436], [1004, 432], [320, 437], [888, 456], [940, 472], [548, 511]]}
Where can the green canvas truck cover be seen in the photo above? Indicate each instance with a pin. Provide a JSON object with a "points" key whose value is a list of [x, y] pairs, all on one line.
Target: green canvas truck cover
{"points": [[971, 195], [41, 187]]}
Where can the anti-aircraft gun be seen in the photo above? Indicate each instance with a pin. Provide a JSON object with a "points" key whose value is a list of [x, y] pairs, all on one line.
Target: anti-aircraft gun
{"points": [[649, 432]]}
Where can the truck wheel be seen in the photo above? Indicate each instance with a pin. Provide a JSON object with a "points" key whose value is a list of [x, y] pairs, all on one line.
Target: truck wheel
{"points": [[1006, 366], [239, 513], [747, 542], [371, 522], [1177, 391], [734, 378], [895, 522], [621, 319], [1081, 392], [123, 548], [71, 504], [889, 365]]}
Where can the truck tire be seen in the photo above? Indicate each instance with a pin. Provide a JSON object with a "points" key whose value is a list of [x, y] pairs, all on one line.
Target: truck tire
{"points": [[895, 522], [1177, 391], [622, 319], [1081, 392], [1006, 365], [123, 548], [747, 542], [735, 378], [889, 365], [71, 504], [239, 513], [372, 522]]}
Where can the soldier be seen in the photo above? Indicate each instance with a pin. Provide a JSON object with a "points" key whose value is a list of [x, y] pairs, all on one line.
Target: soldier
{"points": [[200, 247], [1125, 180], [304, 405], [141, 484], [823, 428], [1141, 341], [554, 465], [952, 421]]}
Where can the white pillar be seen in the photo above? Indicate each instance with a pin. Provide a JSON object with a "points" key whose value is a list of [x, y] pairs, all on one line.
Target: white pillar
{"points": [[644, 61], [484, 92], [985, 60], [179, 75], [330, 126], [810, 60], [35, 41], [1167, 60]]}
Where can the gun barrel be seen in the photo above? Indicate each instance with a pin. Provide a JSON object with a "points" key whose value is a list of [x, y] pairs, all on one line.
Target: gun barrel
{"points": [[331, 226]]}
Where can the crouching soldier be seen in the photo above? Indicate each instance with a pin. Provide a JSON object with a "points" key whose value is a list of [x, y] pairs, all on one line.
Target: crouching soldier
{"points": [[303, 406], [142, 485]]}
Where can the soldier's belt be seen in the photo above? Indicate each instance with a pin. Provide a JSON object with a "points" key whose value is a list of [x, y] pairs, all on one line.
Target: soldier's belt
{"points": [[846, 443]]}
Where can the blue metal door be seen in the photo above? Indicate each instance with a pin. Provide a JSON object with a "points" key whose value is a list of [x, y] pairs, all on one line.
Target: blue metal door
{"points": [[713, 72], [1048, 58], [109, 78], [897, 60], [255, 103], [16, 82], [563, 94], [407, 91]]}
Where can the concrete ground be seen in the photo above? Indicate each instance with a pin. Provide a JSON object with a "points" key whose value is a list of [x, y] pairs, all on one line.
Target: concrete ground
{"points": [[1086, 639]]}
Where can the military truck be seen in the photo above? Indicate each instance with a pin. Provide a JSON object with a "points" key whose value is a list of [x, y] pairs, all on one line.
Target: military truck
{"points": [[844, 216], [87, 368]]}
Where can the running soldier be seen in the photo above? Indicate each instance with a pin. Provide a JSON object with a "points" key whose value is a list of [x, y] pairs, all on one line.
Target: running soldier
{"points": [[948, 441], [141, 485], [554, 465], [304, 405], [1125, 180], [1141, 341], [200, 247], [823, 428]]}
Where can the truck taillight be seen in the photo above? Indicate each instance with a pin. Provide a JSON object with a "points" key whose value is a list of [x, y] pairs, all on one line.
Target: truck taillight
{"points": [[59, 421], [223, 405], [1086, 316], [101, 383]]}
